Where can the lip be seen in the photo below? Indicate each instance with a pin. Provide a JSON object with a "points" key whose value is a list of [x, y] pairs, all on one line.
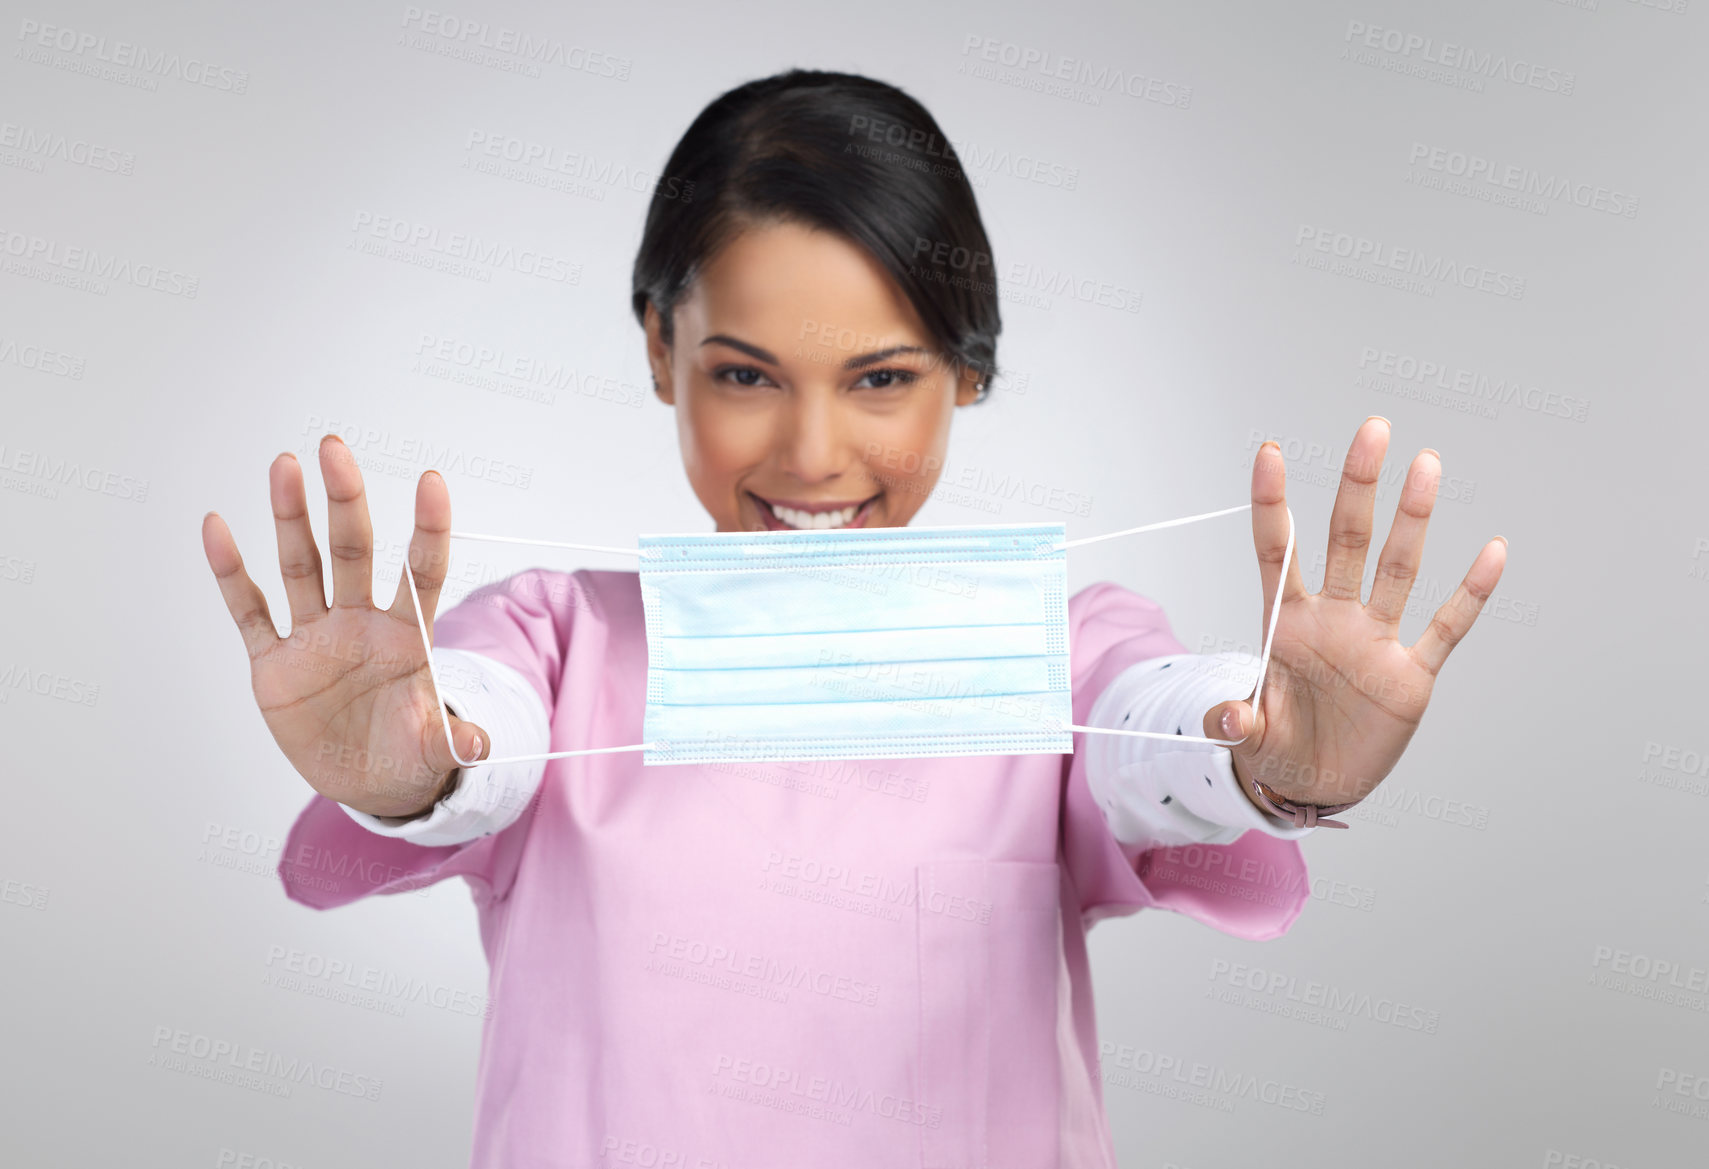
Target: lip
{"points": [[773, 524]]}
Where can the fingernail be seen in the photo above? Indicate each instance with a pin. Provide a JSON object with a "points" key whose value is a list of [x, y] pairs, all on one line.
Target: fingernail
{"points": [[477, 746], [1385, 421], [1430, 450], [1503, 540], [1231, 723]]}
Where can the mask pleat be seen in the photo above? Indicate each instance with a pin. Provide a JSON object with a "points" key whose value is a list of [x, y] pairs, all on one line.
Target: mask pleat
{"points": [[890, 643]]}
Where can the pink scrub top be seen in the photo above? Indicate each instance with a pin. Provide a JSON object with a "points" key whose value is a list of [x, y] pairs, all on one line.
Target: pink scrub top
{"points": [[876, 963]]}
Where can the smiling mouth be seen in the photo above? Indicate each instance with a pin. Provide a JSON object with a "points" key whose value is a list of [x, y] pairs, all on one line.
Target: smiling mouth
{"points": [[778, 517]]}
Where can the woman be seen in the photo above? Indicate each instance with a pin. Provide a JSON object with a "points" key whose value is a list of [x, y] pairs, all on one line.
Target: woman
{"points": [[878, 962]]}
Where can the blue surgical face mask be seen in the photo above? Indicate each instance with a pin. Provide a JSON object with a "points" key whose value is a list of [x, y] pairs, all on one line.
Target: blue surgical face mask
{"points": [[859, 643]]}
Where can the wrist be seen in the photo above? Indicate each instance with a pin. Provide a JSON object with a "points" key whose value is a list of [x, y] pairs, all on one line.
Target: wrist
{"points": [[1295, 812], [446, 787], [1249, 789]]}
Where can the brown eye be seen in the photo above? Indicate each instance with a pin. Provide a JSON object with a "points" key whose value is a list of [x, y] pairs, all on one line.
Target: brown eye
{"points": [[889, 379], [726, 375]]}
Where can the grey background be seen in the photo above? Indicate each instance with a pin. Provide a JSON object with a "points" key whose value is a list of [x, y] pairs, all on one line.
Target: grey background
{"points": [[144, 806]]}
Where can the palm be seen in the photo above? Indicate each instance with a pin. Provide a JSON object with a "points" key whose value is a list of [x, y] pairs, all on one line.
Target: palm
{"points": [[1342, 694], [347, 695]]}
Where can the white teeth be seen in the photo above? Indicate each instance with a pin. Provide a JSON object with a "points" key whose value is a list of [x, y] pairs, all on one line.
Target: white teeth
{"points": [[809, 519]]}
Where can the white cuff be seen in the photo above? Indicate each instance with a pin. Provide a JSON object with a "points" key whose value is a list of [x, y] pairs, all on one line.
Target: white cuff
{"points": [[1158, 793], [503, 704]]}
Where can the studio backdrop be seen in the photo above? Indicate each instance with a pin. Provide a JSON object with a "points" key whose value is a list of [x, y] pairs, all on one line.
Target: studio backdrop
{"points": [[227, 230]]}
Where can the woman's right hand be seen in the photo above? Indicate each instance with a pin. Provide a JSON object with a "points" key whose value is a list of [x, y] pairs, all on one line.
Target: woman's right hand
{"points": [[348, 695]]}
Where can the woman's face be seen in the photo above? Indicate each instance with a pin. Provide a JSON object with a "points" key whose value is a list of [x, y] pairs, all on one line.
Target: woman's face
{"points": [[807, 392]]}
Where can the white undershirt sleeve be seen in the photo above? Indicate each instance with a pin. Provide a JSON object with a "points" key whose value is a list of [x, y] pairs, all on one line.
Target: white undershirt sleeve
{"points": [[1157, 793], [502, 703]]}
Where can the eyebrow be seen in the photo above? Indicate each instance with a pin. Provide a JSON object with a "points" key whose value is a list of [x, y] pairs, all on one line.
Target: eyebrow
{"points": [[860, 362]]}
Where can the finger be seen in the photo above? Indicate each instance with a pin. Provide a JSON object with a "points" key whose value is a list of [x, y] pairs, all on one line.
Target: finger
{"points": [[1397, 566], [1350, 521], [246, 603], [299, 559], [1270, 526], [1454, 619], [350, 535], [429, 550]]}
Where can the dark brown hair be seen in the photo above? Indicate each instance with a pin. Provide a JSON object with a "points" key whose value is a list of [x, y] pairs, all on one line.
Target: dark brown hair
{"points": [[841, 153]]}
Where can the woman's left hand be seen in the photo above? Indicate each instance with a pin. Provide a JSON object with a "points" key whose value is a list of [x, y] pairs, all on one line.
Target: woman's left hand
{"points": [[1342, 696]]}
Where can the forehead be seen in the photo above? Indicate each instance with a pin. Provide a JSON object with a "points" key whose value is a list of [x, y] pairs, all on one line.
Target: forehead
{"points": [[788, 281]]}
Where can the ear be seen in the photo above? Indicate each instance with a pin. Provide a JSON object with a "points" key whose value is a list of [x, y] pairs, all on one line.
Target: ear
{"points": [[967, 386], [659, 357]]}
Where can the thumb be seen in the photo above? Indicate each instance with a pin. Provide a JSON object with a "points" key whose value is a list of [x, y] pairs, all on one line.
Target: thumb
{"points": [[1231, 720], [471, 741]]}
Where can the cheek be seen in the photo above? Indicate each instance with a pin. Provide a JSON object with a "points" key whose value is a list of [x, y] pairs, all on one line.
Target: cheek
{"points": [[715, 445], [905, 452]]}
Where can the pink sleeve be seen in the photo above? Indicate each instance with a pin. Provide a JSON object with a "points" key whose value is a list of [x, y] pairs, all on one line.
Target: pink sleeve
{"points": [[1252, 889], [523, 621]]}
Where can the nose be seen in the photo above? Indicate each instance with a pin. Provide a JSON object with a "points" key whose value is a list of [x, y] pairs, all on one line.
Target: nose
{"points": [[812, 445]]}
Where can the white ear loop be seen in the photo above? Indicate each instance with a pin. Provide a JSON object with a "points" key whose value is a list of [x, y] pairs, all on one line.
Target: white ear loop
{"points": [[433, 672], [1269, 636], [445, 715]]}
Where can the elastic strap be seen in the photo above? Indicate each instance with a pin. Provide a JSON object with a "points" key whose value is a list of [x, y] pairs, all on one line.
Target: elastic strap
{"points": [[1269, 635], [445, 715]]}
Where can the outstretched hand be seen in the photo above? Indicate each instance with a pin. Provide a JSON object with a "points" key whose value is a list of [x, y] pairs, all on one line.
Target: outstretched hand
{"points": [[1342, 696], [348, 694]]}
